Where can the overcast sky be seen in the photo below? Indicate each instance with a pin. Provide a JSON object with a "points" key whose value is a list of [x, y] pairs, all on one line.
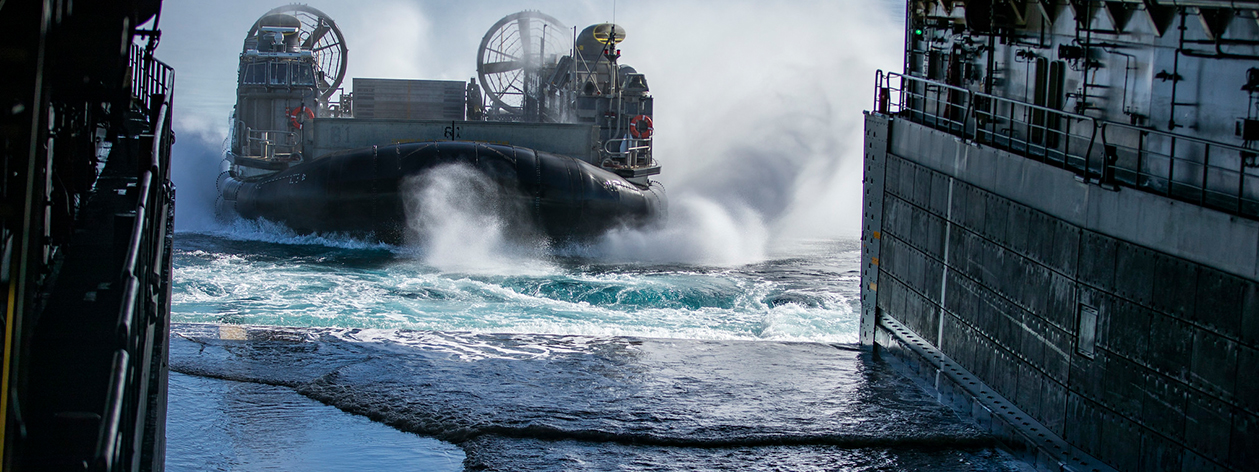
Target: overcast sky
{"points": [[757, 102]]}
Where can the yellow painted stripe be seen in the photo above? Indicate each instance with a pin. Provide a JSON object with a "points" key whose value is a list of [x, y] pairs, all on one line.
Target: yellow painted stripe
{"points": [[4, 378], [233, 332], [877, 235], [874, 286], [875, 261]]}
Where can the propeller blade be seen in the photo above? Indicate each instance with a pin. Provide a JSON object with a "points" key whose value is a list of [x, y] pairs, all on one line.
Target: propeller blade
{"points": [[500, 67], [526, 42], [501, 53], [319, 32]]}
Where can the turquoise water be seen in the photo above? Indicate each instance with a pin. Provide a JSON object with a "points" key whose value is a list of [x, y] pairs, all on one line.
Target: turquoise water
{"points": [[807, 293]]}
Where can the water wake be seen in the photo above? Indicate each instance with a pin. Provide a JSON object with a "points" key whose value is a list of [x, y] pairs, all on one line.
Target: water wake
{"points": [[353, 284], [264, 231]]}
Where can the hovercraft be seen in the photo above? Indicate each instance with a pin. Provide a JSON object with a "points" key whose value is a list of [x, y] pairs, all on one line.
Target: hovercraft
{"points": [[559, 129]]}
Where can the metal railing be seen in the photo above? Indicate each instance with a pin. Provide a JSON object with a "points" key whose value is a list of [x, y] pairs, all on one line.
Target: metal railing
{"points": [[149, 77], [265, 144], [1216, 175], [1051, 136], [271, 144], [144, 314], [637, 151]]}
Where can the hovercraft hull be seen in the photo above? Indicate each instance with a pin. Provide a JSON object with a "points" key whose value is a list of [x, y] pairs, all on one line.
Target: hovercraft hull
{"points": [[364, 191]]}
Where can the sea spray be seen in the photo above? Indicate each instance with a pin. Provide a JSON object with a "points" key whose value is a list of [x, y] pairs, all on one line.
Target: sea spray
{"points": [[699, 231], [195, 166], [459, 220], [264, 231]]}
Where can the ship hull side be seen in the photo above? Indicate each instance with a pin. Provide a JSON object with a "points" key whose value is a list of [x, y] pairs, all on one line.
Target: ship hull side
{"points": [[1089, 327]]}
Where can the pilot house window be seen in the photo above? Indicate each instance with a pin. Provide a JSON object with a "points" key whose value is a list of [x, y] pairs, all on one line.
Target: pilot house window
{"points": [[279, 73], [303, 74], [254, 74]]}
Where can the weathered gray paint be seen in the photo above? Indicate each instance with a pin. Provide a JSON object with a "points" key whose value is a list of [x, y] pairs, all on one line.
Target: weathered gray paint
{"points": [[338, 134], [1184, 230], [1019, 247], [409, 99], [876, 143], [1121, 322]]}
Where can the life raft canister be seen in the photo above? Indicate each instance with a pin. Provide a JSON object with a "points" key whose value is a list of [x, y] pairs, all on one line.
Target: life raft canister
{"points": [[640, 127], [296, 113]]}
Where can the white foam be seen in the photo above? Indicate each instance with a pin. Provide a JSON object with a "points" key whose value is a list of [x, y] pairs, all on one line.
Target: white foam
{"points": [[712, 304], [699, 231], [458, 220], [262, 230]]}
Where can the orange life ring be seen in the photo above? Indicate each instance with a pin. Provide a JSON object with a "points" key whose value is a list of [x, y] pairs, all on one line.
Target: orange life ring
{"points": [[640, 127], [297, 112]]}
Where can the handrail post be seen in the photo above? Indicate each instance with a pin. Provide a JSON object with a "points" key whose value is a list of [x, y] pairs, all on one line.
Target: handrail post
{"points": [[1088, 153], [970, 117], [1171, 167], [878, 87], [1206, 171], [901, 92], [1110, 156], [1088, 162], [1140, 156], [885, 96], [1241, 181]]}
